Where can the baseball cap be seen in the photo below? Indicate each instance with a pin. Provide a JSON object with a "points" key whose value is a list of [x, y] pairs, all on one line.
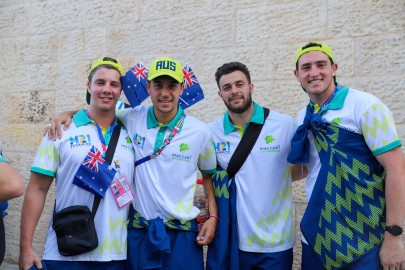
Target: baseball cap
{"points": [[104, 61], [321, 47], [166, 66]]}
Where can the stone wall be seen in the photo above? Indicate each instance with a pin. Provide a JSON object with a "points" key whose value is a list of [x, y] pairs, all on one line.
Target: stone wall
{"points": [[46, 48]]}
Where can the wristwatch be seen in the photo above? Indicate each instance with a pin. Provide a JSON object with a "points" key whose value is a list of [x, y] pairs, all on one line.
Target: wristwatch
{"points": [[394, 229]]}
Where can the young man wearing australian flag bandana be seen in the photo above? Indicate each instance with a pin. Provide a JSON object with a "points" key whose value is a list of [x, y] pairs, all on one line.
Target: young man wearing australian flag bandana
{"points": [[356, 186], [79, 152]]}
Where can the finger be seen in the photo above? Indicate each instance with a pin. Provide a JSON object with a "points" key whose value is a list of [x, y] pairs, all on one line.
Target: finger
{"points": [[46, 131], [58, 129], [67, 124]]}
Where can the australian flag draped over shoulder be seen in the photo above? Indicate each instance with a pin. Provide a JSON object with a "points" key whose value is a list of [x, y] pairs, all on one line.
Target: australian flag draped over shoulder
{"points": [[95, 174], [134, 86]]}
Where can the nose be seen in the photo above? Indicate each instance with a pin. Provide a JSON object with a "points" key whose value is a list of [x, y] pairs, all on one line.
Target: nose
{"points": [[314, 71], [233, 88], [107, 88], [165, 90]]}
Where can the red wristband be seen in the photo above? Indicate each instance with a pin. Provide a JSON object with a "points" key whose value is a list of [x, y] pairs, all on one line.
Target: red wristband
{"points": [[213, 216]]}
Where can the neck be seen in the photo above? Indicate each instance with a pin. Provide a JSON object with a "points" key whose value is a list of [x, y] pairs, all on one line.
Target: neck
{"points": [[164, 118], [103, 119], [240, 119], [322, 98]]}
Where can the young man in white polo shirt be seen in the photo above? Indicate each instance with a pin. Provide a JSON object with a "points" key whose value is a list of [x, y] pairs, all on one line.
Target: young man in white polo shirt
{"points": [[263, 237], [61, 159], [356, 182], [164, 185]]}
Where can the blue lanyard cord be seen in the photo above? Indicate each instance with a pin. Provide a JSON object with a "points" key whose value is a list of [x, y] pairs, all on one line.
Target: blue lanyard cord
{"points": [[100, 132], [329, 100], [165, 143]]}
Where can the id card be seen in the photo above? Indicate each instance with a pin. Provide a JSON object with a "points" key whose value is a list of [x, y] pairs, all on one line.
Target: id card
{"points": [[121, 190]]}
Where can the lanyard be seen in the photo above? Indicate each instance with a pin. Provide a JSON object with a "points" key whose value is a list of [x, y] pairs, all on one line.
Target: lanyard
{"points": [[329, 100], [165, 143], [100, 132]]}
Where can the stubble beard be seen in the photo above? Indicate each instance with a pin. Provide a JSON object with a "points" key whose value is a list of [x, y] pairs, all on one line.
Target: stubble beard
{"points": [[243, 108]]}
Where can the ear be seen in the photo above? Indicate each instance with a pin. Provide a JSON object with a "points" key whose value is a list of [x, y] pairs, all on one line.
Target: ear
{"points": [[251, 88], [219, 93], [89, 87], [334, 69], [148, 87], [296, 74]]}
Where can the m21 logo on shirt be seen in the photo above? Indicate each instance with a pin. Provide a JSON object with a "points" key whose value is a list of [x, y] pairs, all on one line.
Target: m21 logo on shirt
{"points": [[222, 147], [79, 140], [139, 140]]}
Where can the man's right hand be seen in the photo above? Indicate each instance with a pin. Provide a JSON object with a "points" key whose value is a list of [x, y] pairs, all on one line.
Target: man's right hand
{"points": [[28, 258], [55, 127]]}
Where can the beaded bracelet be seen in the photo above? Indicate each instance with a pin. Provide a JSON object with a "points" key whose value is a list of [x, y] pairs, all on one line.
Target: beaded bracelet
{"points": [[213, 216]]}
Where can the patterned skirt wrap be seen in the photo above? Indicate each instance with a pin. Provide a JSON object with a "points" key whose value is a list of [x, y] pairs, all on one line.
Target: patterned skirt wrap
{"points": [[345, 216], [223, 252]]}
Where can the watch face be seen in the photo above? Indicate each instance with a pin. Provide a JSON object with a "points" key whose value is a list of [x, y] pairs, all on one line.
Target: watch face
{"points": [[394, 229]]}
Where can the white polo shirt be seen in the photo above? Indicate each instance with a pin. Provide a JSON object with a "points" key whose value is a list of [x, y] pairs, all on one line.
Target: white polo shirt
{"points": [[264, 192], [361, 113], [61, 159], [165, 185]]}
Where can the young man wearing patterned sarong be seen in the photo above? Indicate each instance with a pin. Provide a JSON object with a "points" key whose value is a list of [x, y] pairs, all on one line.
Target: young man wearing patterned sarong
{"points": [[356, 182]]}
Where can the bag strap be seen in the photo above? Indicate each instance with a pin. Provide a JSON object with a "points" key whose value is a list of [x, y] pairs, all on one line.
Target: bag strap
{"points": [[245, 146], [108, 157]]}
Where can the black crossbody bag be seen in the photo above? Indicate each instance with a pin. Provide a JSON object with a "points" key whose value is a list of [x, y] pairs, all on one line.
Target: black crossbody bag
{"points": [[245, 146], [74, 225]]}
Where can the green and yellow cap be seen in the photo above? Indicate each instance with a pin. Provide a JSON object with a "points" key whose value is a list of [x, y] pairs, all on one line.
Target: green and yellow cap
{"points": [[321, 47], [104, 61], [166, 66]]}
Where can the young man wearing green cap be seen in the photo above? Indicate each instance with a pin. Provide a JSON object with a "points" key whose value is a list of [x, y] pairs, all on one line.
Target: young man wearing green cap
{"points": [[356, 181], [62, 160], [162, 232]]}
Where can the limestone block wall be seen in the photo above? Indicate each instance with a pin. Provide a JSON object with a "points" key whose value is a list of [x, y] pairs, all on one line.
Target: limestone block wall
{"points": [[46, 48]]}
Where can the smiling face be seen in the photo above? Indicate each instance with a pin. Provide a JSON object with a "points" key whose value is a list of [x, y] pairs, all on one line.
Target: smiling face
{"points": [[315, 73], [104, 89], [236, 91], [164, 92]]}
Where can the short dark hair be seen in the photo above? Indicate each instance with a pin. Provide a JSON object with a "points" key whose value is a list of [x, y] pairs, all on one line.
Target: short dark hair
{"points": [[230, 67]]}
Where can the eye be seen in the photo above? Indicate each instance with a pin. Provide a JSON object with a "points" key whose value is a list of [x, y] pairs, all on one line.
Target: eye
{"points": [[239, 85], [226, 88]]}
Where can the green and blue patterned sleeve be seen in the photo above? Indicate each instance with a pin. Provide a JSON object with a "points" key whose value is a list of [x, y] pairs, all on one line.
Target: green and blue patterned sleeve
{"points": [[207, 160], [46, 160], [379, 129]]}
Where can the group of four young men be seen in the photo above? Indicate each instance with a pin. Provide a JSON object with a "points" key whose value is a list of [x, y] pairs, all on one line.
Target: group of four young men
{"points": [[346, 143]]}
